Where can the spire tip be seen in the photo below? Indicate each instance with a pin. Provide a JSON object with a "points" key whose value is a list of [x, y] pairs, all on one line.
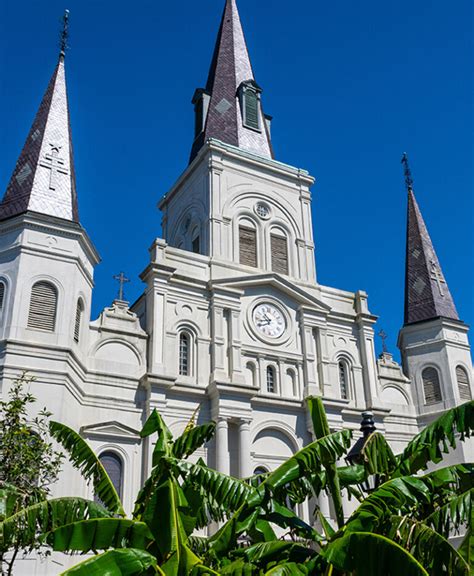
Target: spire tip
{"points": [[64, 36], [407, 172]]}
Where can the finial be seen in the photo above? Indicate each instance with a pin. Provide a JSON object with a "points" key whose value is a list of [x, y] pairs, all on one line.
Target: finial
{"points": [[383, 337], [407, 172], [121, 279], [64, 33]]}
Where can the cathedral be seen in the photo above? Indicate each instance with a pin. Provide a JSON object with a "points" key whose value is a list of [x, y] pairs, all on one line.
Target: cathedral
{"points": [[232, 318]]}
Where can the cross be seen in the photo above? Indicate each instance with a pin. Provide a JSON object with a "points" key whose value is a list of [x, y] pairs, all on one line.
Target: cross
{"points": [[407, 172], [121, 279], [64, 35], [384, 337], [55, 164], [438, 277]]}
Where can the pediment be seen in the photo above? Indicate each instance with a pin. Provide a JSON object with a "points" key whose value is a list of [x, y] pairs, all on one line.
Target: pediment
{"points": [[113, 428], [277, 282]]}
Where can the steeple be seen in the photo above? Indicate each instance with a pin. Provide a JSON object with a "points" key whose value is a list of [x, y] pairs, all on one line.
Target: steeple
{"points": [[427, 294], [229, 108], [43, 180]]}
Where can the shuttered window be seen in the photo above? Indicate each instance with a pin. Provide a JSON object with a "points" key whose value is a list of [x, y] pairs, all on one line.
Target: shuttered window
{"points": [[271, 380], [184, 354], [43, 306], [114, 468], [78, 322], [343, 380], [279, 254], [463, 383], [248, 246], [251, 109], [2, 294], [431, 386]]}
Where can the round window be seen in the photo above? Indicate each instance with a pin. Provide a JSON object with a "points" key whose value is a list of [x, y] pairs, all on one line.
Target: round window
{"points": [[262, 210]]}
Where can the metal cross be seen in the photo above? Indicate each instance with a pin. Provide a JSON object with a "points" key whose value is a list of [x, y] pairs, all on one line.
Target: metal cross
{"points": [[438, 277], [55, 164], [383, 337], [407, 172], [64, 33], [121, 279]]}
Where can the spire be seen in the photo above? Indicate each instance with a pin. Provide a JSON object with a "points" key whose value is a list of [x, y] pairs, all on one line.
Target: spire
{"points": [[43, 180], [427, 294], [220, 104]]}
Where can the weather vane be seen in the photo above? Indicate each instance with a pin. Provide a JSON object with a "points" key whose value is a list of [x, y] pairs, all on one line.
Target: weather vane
{"points": [[121, 279], [383, 337], [407, 172], [64, 33]]}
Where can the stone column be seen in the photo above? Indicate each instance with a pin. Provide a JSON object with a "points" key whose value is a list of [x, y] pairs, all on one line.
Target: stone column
{"points": [[245, 463], [222, 445]]}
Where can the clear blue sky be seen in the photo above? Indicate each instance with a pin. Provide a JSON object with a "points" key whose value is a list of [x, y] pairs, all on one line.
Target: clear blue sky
{"points": [[351, 85]]}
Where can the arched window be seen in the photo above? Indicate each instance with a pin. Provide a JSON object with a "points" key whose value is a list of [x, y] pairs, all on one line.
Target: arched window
{"points": [[248, 245], [196, 241], [78, 320], [252, 373], [3, 289], [114, 467], [292, 385], [184, 354], [271, 379], [431, 385], [463, 383], [279, 250], [343, 379], [43, 306], [260, 471]]}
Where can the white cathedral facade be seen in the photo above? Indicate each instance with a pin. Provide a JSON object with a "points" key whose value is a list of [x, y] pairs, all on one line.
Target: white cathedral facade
{"points": [[232, 317]]}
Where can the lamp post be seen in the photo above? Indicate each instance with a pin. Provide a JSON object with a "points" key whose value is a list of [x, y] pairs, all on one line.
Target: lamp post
{"points": [[355, 455]]}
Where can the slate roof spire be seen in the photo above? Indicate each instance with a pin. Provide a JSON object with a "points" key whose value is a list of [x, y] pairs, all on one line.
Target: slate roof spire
{"points": [[427, 295], [43, 179], [230, 69]]}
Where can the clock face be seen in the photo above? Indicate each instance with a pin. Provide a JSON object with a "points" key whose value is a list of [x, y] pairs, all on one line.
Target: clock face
{"points": [[269, 320]]}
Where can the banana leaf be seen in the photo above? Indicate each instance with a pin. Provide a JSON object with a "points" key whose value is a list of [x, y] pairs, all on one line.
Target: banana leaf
{"points": [[124, 562], [433, 551], [9, 495], [453, 515], [436, 439], [371, 555], [290, 569], [466, 549], [84, 459], [277, 551], [192, 439], [309, 460], [100, 534], [155, 423], [25, 527], [377, 456], [321, 430]]}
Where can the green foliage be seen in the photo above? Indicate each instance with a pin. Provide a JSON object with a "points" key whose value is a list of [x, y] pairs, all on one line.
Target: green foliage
{"points": [[371, 555], [430, 444], [85, 460], [124, 562], [399, 528]]}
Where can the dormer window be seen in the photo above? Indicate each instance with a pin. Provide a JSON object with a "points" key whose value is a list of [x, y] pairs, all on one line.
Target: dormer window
{"points": [[250, 105]]}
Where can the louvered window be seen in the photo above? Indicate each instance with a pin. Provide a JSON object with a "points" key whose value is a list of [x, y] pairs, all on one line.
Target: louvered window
{"points": [[251, 116], [343, 383], [43, 306], [114, 467], [2, 294], [248, 246], [78, 321], [279, 254], [463, 383], [431, 386], [184, 354], [271, 380]]}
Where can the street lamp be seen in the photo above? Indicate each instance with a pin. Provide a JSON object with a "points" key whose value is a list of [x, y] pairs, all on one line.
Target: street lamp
{"points": [[355, 455]]}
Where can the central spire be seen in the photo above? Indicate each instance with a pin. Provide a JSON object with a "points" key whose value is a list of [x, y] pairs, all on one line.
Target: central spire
{"points": [[229, 108]]}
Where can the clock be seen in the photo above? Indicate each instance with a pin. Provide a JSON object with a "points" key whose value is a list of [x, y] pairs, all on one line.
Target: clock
{"points": [[269, 320]]}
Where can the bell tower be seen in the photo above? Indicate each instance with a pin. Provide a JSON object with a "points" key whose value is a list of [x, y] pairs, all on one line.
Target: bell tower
{"points": [[433, 341]]}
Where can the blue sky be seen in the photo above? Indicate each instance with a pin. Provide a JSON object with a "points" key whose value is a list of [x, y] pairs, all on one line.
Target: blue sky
{"points": [[351, 85]]}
